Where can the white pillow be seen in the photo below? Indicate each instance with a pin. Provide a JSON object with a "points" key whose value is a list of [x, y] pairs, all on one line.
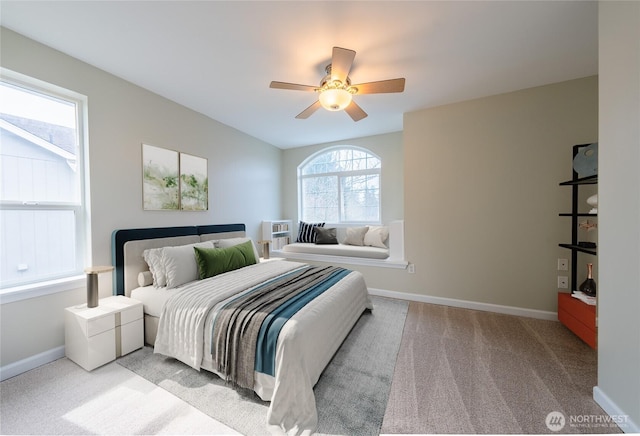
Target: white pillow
{"points": [[355, 235], [376, 236], [153, 257], [180, 263], [230, 242], [145, 278]]}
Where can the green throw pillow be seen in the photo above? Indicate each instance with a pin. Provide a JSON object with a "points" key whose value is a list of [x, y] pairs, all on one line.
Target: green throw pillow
{"points": [[214, 261]]}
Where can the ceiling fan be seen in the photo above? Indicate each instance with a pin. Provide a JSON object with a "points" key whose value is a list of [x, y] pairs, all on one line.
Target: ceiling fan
{"points": [[336, 91]]}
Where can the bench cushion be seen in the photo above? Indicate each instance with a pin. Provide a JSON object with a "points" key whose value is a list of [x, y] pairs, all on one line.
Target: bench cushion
{"points": [[337, 250]]}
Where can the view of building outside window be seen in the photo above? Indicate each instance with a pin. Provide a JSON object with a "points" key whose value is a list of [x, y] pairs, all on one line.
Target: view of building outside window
{"points": [[41, 207], [340, 185]]}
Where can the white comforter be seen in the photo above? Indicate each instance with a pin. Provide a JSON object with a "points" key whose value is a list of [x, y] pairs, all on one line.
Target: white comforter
{"points": [[305, 345]]}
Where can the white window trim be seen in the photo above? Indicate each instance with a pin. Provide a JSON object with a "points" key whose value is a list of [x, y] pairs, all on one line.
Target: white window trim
{"points": [[338, 174], [39, 289], [83, 243]]}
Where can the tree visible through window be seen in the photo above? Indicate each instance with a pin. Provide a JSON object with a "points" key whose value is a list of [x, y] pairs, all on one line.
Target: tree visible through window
{"points": [[41, 199], [340, 185]]}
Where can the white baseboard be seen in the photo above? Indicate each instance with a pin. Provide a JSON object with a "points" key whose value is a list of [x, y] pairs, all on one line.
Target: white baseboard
{"points": [[487, 307], [622, 419], [24, 365]]}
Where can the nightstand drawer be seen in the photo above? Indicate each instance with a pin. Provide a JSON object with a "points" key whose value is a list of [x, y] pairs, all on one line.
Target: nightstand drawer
{"points": [[130, 314], [129, 337], [98, 351], [101, 324]]}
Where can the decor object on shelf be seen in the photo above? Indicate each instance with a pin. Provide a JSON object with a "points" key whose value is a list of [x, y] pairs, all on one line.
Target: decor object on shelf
{"points": [[591, 301], [593, 202], [587, 244], [588, 287], [588, 225], [585, 162], [92, 283]]}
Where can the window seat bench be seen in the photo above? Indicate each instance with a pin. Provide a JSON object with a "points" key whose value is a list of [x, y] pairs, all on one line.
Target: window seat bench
{"points": [[392, 257]]}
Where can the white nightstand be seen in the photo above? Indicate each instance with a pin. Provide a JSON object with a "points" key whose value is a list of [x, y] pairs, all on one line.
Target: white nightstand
{"points": [[97, 335]]}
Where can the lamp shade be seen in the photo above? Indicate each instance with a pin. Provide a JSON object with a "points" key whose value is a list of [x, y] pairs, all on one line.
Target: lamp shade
{"points": [[335, 99]]}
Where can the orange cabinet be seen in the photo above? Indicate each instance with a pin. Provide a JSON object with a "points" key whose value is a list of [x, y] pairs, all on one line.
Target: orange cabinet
{"points": [[578, 317]]}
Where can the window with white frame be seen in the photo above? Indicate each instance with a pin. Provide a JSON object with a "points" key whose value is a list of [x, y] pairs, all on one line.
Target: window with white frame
{"points": [[340, 185], [42, 207]]}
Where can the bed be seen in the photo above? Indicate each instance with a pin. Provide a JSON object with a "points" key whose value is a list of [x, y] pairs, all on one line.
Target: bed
{"points": [[306, 324]]}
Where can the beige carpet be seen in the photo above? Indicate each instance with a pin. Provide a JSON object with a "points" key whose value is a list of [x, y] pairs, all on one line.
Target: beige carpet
{"points": [[61, 398], [465, 371]]}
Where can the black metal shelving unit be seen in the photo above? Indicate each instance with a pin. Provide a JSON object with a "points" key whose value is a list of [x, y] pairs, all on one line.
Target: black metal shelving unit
{"points": [[575, 184]]}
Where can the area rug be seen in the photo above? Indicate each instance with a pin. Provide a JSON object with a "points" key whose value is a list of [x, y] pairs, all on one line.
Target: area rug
{"points": [[351, 395]]}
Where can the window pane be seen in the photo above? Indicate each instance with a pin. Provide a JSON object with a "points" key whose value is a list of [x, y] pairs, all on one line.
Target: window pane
{"points": [[361, 198], [320, 199], [39, 143], [36, 245]]}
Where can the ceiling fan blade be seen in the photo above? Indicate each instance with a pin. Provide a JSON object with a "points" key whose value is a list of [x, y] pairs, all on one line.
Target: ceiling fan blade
{"points": [[381, 87], [309, 111], [341, 62], [355, 111], [292, 86]]}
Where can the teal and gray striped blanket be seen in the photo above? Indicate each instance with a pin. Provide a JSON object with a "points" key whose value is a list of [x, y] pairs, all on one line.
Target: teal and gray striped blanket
{"points": [[245, 330]]}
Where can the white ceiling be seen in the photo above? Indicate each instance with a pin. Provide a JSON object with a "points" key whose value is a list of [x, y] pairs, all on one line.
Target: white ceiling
{"points": [[218, 57]]}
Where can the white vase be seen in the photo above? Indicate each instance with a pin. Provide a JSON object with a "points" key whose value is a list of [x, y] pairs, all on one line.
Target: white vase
{"points": [[593, 202]]}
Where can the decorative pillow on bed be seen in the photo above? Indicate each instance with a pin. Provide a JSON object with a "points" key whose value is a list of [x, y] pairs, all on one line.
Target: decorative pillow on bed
{"points": [[145, 278], [214, 261], [325, 236], [376, 236], [355, 235], [180, 263], [306, 233], [231, 242], [153, 257]]}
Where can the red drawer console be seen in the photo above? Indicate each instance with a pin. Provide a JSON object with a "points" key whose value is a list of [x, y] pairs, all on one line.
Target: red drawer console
{"points": [[578, 317]]}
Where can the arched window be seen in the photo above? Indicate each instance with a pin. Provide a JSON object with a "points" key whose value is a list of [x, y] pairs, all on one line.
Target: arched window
{"points": [[340, 185]]}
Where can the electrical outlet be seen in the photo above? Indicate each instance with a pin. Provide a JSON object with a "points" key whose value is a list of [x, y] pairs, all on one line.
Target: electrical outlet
{"points": [[563, 282], [411, 268], [563, 265]]}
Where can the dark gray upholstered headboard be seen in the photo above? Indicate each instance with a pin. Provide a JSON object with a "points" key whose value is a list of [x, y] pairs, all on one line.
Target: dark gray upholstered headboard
{"points": [[158, 237]]}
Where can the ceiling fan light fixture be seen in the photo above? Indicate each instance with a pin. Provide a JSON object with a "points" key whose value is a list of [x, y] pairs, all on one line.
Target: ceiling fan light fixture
{"points": [[335, 92], [335, 99]]}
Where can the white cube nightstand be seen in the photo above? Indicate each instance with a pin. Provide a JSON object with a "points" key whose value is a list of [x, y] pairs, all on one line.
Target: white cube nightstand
{"points": [[97, 335]]}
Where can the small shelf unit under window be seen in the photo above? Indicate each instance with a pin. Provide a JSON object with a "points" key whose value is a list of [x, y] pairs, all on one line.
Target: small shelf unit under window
{"points": [[278, 233]]}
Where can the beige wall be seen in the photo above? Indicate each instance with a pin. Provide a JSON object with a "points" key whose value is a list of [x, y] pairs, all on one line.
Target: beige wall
{"points": [[618, 390], [482, 196], [121, 117]]}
